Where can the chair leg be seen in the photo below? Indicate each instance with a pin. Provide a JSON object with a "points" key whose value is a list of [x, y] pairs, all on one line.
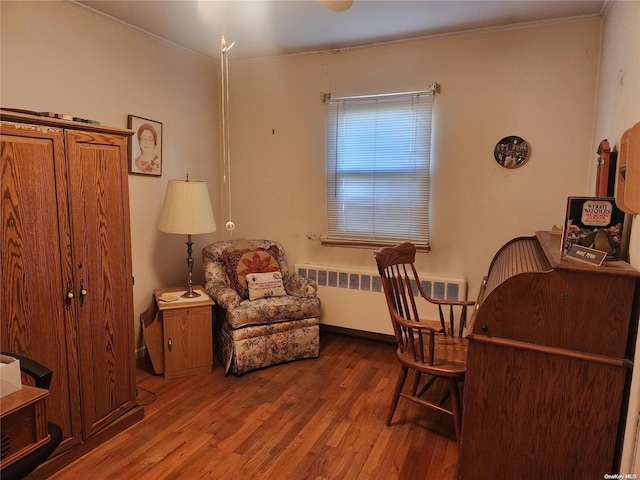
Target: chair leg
{"points": [[444, 398], [455, 406], [416, 383], [396, 396], [427, 386]]}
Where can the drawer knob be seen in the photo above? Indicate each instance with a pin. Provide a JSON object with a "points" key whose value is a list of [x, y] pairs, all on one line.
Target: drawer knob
{"points": [[484, 328]]}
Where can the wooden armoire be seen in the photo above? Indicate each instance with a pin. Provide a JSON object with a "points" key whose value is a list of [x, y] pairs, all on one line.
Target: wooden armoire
{"points": [[66, 295], [549, 365]]}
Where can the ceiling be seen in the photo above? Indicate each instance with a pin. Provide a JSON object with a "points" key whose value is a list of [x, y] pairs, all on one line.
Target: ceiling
{"points": [[262, 28]]}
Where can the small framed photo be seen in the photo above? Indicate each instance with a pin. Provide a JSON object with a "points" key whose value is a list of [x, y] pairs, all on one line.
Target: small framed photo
{"points": [[145, 147]]}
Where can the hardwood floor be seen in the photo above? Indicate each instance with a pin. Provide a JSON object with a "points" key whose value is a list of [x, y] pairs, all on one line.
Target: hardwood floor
{"points": [[320, 418]]}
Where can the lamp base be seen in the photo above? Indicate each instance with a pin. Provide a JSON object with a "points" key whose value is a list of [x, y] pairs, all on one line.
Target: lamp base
{"points": [[190, 294]]}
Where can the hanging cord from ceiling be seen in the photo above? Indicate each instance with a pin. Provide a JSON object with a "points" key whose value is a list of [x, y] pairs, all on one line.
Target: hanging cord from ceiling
{"points": [[226, 155]]}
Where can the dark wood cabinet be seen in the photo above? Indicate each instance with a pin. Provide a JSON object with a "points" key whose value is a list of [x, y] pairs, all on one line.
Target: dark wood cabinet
{"points": [[549, 364], [66, 297]]}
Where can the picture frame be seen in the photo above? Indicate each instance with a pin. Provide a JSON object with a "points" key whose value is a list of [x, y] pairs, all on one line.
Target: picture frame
{"points": [[145, 146]]}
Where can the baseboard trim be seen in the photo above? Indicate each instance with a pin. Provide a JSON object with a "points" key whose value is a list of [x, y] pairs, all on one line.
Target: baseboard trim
{"points": [[351, 332]]}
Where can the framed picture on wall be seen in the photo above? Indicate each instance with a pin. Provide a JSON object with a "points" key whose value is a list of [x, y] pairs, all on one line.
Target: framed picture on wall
{"points": [[145, 147]]}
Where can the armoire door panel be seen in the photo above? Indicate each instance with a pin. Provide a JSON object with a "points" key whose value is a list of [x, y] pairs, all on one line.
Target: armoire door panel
{"points": [[100, 239], [36, 271]]}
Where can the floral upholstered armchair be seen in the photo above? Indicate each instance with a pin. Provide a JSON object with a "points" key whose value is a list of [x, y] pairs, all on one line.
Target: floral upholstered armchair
{"points": [[265, 315]]}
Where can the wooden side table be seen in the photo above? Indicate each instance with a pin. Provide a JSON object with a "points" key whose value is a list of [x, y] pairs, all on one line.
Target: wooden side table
{"points": [[180, 338], [23, 420]]}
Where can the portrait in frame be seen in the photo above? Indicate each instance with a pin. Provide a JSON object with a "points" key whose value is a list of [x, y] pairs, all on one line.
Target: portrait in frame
{"points": [[145, 146]]}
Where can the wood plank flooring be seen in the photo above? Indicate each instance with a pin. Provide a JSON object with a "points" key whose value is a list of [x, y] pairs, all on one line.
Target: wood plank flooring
{"points": [[314, 419]]}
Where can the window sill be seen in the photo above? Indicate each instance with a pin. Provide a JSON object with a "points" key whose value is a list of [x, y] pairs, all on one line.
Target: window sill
{"points": [[328, 242]]}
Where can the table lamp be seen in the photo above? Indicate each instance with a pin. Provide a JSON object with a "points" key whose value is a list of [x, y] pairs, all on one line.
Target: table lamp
{"points": [[187, 210]]}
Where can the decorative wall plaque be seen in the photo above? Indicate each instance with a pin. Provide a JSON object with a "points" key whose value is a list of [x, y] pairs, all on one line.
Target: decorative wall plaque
{"points": [[511, 152]]}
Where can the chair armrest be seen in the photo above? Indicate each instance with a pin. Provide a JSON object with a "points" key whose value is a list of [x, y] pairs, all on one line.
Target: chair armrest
{"points": [[299, 286], [436, 301], [460, 308], [41, 374], [431, 326], [221, 293]]}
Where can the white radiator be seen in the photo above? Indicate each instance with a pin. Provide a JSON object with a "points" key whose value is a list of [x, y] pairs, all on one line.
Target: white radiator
{"points": [[353, 298]]}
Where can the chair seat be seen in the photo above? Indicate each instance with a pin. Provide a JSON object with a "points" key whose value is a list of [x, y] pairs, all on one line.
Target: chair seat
{"points": [[450, 359], [272, 310]]}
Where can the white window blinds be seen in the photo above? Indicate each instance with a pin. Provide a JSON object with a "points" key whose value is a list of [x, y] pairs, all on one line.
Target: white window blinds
{"points": [[378, 172]]}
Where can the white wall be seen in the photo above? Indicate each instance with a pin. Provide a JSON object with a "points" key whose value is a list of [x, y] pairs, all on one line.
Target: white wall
{"points": [[618, 109], [537, 82], [63, 58]]}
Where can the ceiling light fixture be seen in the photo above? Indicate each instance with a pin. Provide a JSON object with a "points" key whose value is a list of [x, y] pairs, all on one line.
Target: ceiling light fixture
{"points": [[336, 5]]}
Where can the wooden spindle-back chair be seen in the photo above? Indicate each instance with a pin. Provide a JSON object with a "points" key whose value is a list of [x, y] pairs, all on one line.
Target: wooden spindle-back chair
{"points": [[430, 348]]}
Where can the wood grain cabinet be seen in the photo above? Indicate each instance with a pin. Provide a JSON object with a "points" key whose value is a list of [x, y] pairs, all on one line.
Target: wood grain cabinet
{"points": [[549, 365], [66, 297], [179, 337]]}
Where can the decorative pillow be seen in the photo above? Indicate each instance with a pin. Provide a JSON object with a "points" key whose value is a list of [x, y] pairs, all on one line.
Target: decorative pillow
{"points": [[265, 285], [239, 263]]}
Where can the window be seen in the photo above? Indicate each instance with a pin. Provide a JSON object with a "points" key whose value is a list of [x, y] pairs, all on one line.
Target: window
{"points": [[378, 173]]}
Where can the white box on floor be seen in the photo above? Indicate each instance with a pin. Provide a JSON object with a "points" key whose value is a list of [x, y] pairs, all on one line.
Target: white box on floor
{"points": [[10, 380]]}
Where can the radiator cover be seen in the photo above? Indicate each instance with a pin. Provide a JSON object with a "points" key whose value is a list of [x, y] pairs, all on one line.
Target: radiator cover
{"points": [[353, 298]]}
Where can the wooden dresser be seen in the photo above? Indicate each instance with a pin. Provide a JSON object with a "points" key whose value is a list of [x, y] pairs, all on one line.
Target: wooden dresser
{"points": [[549, 365]]}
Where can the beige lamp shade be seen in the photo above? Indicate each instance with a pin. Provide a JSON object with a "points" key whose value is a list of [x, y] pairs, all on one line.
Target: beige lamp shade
{"points": [[186, 209]]}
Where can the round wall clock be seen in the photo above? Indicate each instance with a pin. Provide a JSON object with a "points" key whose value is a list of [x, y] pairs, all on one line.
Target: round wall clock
{"points": [[511, 152]]}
